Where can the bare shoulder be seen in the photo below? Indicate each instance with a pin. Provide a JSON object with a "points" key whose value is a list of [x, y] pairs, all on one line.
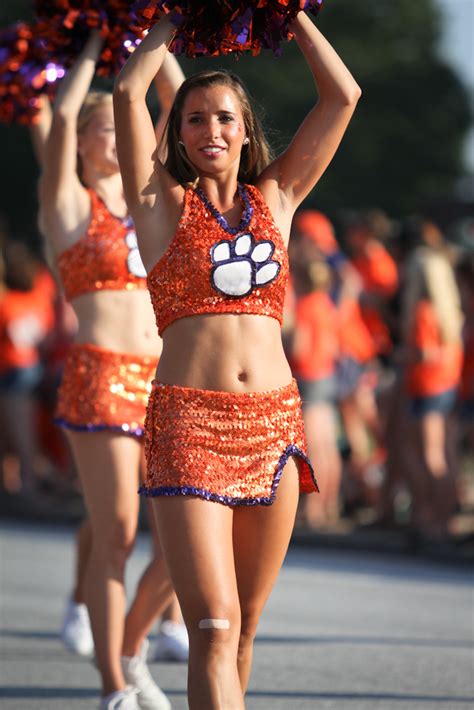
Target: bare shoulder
{"points": [[277, 201], [65, 216], [156, 220]]}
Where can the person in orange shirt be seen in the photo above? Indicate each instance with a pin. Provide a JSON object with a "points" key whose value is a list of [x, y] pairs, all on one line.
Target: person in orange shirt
{"points": [[313, 354], [378, 271], [356, 352], [432, 326], [311, 227], [26, 317]]}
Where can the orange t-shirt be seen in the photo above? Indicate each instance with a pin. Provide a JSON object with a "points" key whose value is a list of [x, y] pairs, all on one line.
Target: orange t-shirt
{"points": [[316, 337], [355, 339], [378, 329], [378, 270], [380, 277], [25, 318], [441, 372]]}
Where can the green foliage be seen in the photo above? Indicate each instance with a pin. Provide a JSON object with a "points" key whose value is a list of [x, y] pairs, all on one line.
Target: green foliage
{"points": [[404, 145]]}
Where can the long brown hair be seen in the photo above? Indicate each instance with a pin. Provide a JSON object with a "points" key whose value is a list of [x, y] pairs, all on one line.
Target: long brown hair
{"points": [[255, 156]]}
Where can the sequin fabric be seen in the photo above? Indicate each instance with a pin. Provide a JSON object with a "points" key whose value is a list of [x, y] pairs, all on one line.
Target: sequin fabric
{"points": [[104, 390], [187, 279], [223, 446], [105, 258]]}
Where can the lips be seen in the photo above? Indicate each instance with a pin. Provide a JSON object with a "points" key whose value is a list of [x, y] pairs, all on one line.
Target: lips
{"points": [[212, 150]]}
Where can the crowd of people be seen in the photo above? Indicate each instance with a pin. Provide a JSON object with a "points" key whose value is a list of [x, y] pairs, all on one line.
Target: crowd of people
{"points": [[388, 396]]}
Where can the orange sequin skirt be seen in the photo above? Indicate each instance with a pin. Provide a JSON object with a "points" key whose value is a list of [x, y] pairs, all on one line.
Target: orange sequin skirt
{"points": [[223, 446], [104, 390]]}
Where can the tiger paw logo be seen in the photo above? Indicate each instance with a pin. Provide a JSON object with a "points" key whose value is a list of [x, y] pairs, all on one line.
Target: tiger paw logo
{"points": [[134, 260], [241, 265]]}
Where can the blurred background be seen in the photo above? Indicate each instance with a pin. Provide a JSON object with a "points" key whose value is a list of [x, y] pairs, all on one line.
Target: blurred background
{"points": [[379, 324]]}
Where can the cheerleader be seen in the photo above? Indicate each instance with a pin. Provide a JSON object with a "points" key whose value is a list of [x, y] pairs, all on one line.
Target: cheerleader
{"points": [[108, 372], [225, 443]]}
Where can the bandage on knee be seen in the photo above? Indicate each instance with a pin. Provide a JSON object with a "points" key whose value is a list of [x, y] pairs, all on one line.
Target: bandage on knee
{"points": [[214, 624]]}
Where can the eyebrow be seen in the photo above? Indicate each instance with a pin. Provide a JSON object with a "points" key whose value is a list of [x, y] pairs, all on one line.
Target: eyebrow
{"points": [[222, 110]]}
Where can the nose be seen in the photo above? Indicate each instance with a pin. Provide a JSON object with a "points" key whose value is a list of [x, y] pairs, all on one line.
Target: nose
{"points": [[213, 128]]}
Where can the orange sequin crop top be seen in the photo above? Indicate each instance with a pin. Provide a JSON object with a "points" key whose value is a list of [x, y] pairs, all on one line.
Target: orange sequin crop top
{"points": [[210, 267], [105, 258]]}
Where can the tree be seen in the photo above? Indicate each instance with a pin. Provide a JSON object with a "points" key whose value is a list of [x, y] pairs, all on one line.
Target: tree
{"points": [[405, 145]]}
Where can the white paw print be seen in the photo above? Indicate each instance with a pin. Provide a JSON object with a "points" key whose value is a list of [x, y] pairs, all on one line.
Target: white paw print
{"points": [[134, 260], [242, 264]]}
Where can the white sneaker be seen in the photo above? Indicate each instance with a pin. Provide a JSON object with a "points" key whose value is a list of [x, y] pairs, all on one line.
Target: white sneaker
{"points": [[172, 643], [120, 700], [76, 632], [136, 672]]}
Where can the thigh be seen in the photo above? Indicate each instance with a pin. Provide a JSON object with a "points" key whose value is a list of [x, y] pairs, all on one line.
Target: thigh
{"points": [[196, 537], [320, 424], [261, 537], [150, 513], [433, 429], [108, 465]]}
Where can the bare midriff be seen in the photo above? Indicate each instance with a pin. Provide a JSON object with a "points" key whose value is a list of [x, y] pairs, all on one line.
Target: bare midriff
{"points": [[121, 321], [224, 352]]}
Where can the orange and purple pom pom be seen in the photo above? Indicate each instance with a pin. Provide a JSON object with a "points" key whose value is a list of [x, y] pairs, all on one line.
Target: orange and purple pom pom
{"points": [[65, 26], [226, 26], [26, 72]]}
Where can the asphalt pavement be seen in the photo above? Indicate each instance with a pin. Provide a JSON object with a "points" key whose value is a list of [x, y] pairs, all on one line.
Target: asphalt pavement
{"points": [[343, 630]]}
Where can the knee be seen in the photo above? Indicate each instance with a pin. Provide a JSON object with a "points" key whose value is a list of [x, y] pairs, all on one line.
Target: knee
{"points": [[216, 629], [435, 461], [248, 631], [115, 542]]}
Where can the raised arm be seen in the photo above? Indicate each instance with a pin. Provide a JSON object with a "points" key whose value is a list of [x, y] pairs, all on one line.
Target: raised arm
{"points": [[299, 168], [39, 131], [60, 184], [167, 82], [136, 140]]}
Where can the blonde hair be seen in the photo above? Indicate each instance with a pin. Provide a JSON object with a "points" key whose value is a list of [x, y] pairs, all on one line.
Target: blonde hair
{"points": [[255, 156], [92, 103], [431, 276]]}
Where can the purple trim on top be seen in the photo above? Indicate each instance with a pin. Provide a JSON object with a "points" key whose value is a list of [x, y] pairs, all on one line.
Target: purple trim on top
{"points": [[246, 215], [291, 450], [137, 432]]}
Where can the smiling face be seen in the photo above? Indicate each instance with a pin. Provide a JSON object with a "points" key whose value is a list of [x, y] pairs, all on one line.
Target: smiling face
{"points": [[96, 141], [212, 129], [210, 120]]}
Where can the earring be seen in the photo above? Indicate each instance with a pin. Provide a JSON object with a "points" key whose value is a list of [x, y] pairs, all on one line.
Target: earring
{"points": [[181, 143], [246, 141]]}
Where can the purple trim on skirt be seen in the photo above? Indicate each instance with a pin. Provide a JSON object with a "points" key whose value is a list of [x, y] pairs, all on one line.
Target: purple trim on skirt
{"points": [[138, 432], [291, 450]]}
